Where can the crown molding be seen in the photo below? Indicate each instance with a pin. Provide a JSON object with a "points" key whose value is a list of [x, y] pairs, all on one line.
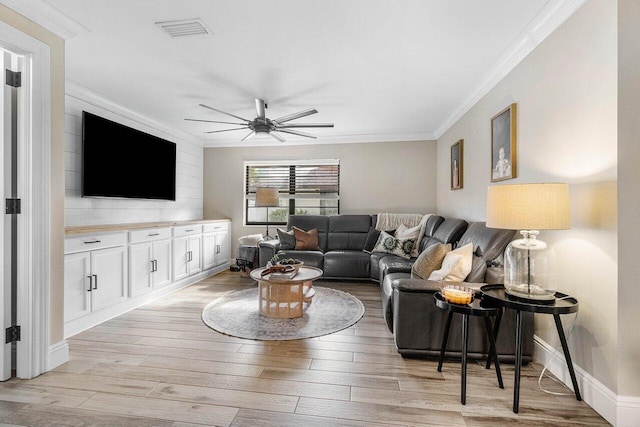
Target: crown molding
{"points": [[550, 17], [47, 16], [332, 139], [84, 94]]}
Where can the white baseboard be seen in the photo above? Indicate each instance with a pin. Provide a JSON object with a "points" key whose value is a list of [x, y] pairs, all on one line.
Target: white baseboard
{"points": [[58, 354], [621, 411]]}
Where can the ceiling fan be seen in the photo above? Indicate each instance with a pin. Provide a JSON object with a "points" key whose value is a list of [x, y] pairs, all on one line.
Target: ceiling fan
{"points": [[262, 124]]}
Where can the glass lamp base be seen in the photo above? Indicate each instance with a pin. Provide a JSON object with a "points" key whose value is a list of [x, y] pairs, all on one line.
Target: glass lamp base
{"points": [[531, 293]]}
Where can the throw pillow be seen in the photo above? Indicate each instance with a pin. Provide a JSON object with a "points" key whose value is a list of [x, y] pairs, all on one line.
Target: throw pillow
{"points": [[306, 240], [456, 265], [287, 239], [372, 239], [391, 245], [402, 232], [429, 260]]}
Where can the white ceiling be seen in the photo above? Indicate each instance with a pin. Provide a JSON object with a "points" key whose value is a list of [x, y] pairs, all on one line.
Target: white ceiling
{"points": [[381, 70]]}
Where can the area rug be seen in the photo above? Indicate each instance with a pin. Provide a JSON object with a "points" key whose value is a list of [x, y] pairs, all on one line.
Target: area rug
{"points": [[236, 314]]}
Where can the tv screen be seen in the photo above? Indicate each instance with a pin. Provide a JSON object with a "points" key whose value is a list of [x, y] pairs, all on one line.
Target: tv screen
{"points": [[118, 161]]}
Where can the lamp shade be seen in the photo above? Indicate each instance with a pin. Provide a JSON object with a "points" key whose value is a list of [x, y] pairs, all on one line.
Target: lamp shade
{"points": [[540, 206], [267, 197]]}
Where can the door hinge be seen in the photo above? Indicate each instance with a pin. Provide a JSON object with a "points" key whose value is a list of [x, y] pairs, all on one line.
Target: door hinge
{"points": [[14, 78], [13, 206], [12, 334]]}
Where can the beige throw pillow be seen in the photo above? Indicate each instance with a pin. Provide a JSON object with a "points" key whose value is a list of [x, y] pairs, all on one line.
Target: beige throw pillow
{"points": [[456, 265], [429, 260]]}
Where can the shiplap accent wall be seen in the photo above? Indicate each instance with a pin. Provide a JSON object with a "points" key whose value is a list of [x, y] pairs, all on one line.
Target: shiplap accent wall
{"points": [[91, 211]]}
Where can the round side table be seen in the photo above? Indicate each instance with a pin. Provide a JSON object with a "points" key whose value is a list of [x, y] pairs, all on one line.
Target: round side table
{"points": [[477, 307], [564, 304]]}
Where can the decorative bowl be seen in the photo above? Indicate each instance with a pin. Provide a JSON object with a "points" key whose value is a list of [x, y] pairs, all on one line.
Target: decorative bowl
{"points": [[456, 294], [294, 262]]}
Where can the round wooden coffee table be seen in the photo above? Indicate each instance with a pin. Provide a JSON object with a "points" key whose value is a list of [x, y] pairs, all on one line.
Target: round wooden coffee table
{"points": [[285, 298]]}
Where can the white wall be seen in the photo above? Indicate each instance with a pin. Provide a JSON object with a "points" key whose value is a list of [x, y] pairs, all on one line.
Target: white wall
{"points": [[91, 211], [629, 202], [566, 91], [374, 177]]}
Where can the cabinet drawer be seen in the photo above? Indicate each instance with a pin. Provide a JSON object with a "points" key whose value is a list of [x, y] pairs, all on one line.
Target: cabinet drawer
{"points": [[215, 226], [149, 234], [89, 242], [187, 230]]}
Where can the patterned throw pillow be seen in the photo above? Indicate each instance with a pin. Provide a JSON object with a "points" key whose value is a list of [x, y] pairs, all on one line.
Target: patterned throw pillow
{"points": [[306, 240], [391, 245], [429, 260], [287, 239]]}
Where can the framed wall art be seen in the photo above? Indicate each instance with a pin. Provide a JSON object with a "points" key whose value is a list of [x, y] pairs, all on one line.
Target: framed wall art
{"points": [[456, 165], [503, 144]]}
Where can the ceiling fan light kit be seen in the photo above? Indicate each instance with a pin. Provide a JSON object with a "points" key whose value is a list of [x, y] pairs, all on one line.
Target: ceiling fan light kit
{"points": [[262, 124]]}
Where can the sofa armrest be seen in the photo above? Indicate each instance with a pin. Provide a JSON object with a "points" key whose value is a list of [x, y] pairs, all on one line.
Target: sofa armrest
{"points": [[418, 285], [267, 249]]}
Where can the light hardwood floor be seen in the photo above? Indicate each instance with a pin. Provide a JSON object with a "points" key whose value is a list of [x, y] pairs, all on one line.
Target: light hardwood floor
{"points": [[159, 365]]}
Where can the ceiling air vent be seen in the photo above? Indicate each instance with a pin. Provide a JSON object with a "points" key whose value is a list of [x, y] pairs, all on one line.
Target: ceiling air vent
{"points": [[185, 27]]}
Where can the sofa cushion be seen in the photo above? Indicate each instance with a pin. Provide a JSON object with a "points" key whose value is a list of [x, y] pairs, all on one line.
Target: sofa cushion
{"points": [[287, 239], [456, 265], [348, 232], [347, 264], [429, 260], [478, 270], [306, 240], [389, 244], [488, 243], [450, 230], [310, 258]]}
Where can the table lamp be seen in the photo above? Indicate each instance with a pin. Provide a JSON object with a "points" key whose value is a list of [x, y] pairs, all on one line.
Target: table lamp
{"points": [[267, 197], [528, 262]]}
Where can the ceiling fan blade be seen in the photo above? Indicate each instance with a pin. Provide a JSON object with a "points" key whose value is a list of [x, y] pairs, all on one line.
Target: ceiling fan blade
{"points": [[296, 115], [214, 121], [276, 136], [305, 125], [227, 130], [224, 112], [295, 132], [249, 136], [260, 109]]}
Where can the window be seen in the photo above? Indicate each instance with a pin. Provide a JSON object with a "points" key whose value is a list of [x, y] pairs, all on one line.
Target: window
{"points": [[308, 187]]}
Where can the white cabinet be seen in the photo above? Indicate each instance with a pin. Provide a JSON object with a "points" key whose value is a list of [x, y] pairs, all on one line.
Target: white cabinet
{"points": [[94, 280], [216, 245], [187, 244], [149, 260]]}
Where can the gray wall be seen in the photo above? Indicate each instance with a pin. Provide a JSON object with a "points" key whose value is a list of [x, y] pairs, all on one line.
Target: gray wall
{"points": [[628, 202], [374, 177], [567, 132]]}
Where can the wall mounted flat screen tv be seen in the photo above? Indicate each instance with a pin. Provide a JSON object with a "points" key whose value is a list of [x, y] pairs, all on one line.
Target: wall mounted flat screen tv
{"points": [[118, 161]]}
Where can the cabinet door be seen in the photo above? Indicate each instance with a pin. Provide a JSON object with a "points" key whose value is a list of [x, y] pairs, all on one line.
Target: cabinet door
{"points": [[162, 258], [223, 247], [109, 267], [208, 251], [140, 266], [195, 261], [77, 296], [180, 263]]}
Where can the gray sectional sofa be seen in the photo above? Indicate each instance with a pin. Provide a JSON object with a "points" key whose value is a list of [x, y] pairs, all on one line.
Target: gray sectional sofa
{"points": [[408, 306]]}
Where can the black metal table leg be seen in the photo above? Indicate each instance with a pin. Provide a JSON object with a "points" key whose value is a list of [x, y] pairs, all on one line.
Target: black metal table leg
{"points": [[496, 327], [492, 350], [465, 340], [516, 386], [567, 356], [445, 338]]}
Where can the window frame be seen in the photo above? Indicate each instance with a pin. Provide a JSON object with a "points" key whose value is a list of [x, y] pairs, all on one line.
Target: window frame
{"points": [[291, 195]]}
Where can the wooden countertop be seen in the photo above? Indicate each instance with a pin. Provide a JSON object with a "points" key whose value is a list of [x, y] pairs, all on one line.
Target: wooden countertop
{"points": [[105, 228]]}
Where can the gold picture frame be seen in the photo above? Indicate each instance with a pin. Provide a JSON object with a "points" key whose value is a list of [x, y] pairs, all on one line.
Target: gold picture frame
{"points": [[503, 144], [457, 158]]}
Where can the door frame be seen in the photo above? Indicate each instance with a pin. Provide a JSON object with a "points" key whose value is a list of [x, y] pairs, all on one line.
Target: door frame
{"points": [[34, 172]]}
